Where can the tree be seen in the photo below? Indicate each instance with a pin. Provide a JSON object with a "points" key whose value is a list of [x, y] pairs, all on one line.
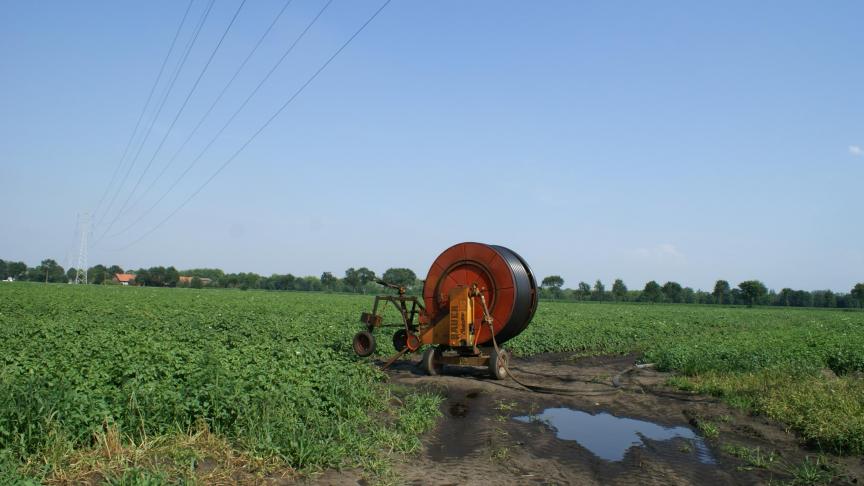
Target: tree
{"points": [[752, 291], [196, 283], [97, 274], [152, 276], [824, 298], [672, 291], [599, 290], [115, 269], [688, 295], [858, 292], [281, 282], [356, 280], [302, 284], [553, 284], [619, 290], [47, 271], [214, 274], [311, 283], [402, 277], [584, 290], [157, 277], [252, 280], [721, 291], [703, 297], [365, 276], [328, 281], [785, 297], [142, 277], [16, 270], [652, 292], [830, 299], [71, 274], [846, 301], [171, 277], [352, 279], [802, 298]]}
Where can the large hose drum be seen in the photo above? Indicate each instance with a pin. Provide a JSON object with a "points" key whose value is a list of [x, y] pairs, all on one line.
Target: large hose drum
{"points": [[503, 278], [476, 297]]}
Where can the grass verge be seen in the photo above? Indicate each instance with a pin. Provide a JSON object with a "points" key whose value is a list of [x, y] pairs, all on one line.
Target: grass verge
{"points": [[827, 412], [200, 456]]}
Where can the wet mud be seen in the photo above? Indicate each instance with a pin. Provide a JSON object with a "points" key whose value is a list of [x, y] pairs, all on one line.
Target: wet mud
{"points": [[611, 424]]}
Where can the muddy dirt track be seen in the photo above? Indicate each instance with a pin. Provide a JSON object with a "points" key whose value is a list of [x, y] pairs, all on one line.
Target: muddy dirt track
{"points": [[639, 432]]}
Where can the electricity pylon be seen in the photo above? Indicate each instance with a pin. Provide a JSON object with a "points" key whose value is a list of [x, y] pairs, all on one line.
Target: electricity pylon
{"points": [[83, 229]]}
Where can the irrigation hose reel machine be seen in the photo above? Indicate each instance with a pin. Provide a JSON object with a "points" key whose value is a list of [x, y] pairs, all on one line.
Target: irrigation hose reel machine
{"points": [[475, 298]]}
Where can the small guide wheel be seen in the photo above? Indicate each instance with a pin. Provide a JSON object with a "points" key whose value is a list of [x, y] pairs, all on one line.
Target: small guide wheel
{"points": [[400, 339], [413, 342], [364, 343], [403, 339], [431, 361], [498, 361]]}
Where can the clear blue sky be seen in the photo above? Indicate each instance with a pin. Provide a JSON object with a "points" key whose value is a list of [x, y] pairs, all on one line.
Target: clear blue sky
{"points": [[683, 141]]}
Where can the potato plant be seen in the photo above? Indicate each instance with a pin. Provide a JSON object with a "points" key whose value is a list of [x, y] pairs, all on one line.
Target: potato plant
{"points": [[270, 372], [271, 377]]}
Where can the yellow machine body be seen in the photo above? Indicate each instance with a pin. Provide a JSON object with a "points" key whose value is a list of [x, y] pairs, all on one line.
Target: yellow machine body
{"points": [[457, 328]]}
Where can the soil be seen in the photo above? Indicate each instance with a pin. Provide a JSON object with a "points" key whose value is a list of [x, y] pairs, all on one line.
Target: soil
{"points": [[479, 441]]}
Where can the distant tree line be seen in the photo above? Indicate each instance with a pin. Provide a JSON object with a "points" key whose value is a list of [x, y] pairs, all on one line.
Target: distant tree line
{"points": [[362, 280], [47, 271], [357, 280], [749, 292]]}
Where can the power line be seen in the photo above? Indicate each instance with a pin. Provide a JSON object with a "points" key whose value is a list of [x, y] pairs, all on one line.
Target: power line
{"points": [[67, 260], [205, 116], [228, 122], [263, 127], [164, 97], [168, 89], [177, 116], [144, 109]]}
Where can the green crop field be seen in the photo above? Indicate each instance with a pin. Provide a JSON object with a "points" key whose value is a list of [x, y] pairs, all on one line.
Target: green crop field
{"points": [[128, 383], [266, 377]]}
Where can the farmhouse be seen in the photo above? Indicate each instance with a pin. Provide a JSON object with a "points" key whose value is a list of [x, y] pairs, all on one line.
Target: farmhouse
{"points": [[187, 280], [124, 278]]}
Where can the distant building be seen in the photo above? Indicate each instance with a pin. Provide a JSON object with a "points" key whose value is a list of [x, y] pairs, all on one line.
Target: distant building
{"points": [[187, 280], [124, 278]]}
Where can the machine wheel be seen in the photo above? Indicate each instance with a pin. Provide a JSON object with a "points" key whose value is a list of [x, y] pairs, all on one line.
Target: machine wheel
{"points": [[413, 342], [498, 361], [364, 343], [400, 339], [430, 361]]}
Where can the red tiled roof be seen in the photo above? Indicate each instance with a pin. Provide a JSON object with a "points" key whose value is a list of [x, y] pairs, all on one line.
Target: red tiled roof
{"points": [[125, 277]]}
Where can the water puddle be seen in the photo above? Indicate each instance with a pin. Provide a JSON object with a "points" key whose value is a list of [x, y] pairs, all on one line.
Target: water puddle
{"points": [[610, 437]]}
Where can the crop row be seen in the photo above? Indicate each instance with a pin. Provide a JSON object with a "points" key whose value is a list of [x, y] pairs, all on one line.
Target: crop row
{"points": [[271, 372]]}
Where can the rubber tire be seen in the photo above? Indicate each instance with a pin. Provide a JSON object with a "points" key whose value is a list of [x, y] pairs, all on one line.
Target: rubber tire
{"points": [[413, 342], [427, 361], [498, 364], [361, 348], [400, 339]]}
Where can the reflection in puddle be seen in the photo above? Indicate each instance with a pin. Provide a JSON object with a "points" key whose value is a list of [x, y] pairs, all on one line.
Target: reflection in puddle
{"points": [[610, 437]]}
